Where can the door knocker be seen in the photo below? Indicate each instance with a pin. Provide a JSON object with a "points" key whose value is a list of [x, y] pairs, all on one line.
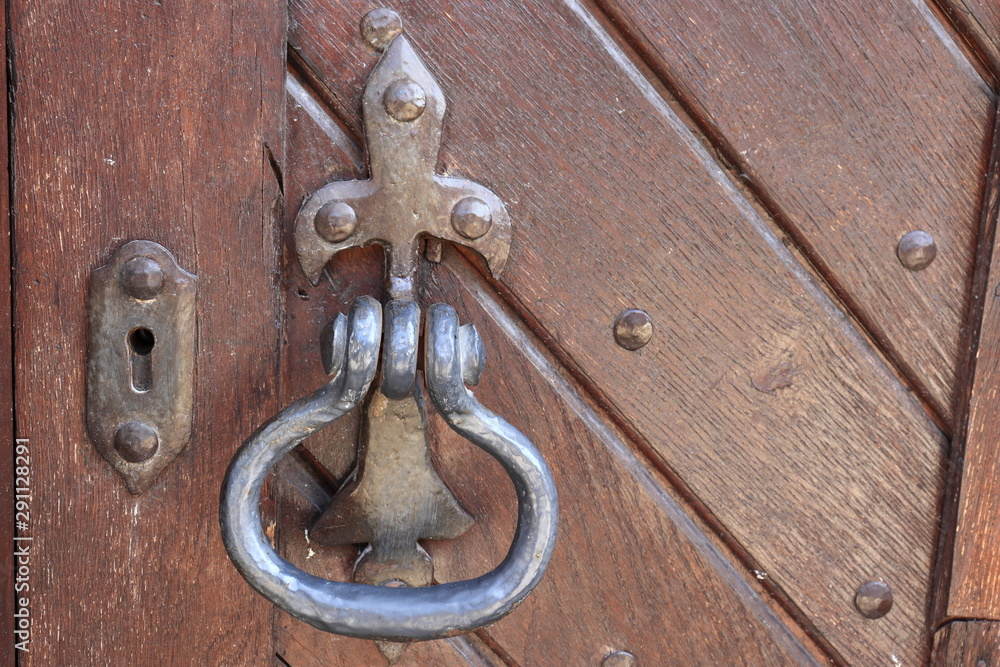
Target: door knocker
{"points": [[395, 498]]}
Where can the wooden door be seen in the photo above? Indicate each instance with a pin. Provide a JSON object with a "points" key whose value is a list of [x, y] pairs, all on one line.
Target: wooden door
{"points": [[797, 426]]}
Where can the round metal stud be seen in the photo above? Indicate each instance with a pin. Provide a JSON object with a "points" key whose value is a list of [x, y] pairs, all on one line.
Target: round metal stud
{"points": [[142, 278], [380, 26], [619, 659], [873, 599], [633, 329], [136, 441], [471, 217], [405, 100], [335, 221], [916, 250]]}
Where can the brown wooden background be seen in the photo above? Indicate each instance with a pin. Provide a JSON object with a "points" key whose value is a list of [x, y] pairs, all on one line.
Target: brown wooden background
{"points": [[742, 171]]}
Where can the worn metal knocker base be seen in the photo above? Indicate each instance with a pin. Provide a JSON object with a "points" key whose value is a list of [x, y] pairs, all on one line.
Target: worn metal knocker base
{"points": [[395, 498], [375, 612]]}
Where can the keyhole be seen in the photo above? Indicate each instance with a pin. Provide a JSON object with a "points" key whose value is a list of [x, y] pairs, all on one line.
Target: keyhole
{"points": [[140, 343]]}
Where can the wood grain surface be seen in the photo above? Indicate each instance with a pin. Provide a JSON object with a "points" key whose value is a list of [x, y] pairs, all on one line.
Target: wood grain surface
{"points": [[144, 121], [968, 644], [7, 562], [828, 478], [632, 570], [856, 121], [979, 22], [975, 554]]}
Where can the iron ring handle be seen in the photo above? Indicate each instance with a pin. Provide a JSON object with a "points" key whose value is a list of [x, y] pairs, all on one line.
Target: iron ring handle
{"points": [[375, 612]]}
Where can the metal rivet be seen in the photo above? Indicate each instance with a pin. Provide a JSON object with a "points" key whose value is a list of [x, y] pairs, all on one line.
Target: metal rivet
{"points": [[142, 278], [335, 221], [916, 250], [619, 659], [633, 329], [380, 26], [404, 100], [471, 217], [873, 599], [981, 663], [136, 441]]}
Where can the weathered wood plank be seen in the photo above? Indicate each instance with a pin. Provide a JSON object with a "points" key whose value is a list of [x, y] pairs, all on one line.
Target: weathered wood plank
{"points": [[979, 22], [632, 570], [7, 560], [857, 121], [967, 644], [974, 588], [679, 597], [828, 479], [144, 121]]}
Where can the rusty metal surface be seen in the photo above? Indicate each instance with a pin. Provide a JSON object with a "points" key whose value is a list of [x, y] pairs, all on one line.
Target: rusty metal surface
{"points": [[404, 198], [385, 612], [140, 361]]}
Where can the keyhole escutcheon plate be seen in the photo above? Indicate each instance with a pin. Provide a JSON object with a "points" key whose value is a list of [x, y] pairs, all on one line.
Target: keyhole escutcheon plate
{"points": [[140, 361]]}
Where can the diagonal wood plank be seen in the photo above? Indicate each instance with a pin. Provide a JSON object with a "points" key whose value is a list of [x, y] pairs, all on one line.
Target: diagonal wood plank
{"points": [[828, 480], [857, 121], [974, 586], [701, 605], [144, 121], [979, 22], [967, 644], [632, 571]]}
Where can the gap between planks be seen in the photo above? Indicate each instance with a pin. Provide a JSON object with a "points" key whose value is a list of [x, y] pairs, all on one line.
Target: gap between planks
{"points": [[973, 38]]}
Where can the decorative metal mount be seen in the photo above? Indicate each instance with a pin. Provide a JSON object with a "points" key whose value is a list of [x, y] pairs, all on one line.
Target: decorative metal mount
{"points": [[395, 498], [140, 361], [404, 198]]}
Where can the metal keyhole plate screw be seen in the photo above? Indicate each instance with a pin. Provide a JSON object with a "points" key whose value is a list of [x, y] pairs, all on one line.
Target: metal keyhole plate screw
{"points": [[405, 100], [619, 659], [633, 329], [336, 221], [136, 441], [916, 250], [379, 27], [142, 278], [471, 217], [873, 599]]}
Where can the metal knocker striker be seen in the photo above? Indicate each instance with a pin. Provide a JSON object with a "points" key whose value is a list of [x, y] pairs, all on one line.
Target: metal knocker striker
{"points": [[404, 200]]}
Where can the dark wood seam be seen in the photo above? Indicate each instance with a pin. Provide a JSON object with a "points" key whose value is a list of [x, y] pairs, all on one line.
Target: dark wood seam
{"points": [[970, 41], [308, 75], [974, 317]]}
